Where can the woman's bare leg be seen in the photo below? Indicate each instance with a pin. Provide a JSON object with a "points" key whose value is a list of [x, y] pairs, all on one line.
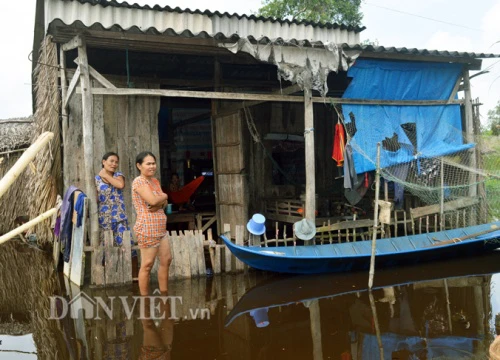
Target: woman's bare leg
{"points": [[165, 257], [148, 257]]}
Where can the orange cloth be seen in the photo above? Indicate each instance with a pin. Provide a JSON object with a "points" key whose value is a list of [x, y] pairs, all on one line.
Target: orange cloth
{"points": [[339, 144], [182, 196]]}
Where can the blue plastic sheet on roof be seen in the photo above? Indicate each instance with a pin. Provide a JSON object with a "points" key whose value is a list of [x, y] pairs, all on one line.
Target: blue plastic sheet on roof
{"points": [[438, 128]]}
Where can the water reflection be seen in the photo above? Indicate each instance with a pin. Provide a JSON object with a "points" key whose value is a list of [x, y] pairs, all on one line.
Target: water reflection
{"points": [[442, 310]]}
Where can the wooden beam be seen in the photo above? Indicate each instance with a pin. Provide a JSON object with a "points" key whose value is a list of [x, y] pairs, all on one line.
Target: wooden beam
{"points": [[88, 140], [263, 97], [455, 89], [310, 203], [452, 205], [193, 83], [97, 76], [71, 88], [73, 43], [101, 79]]}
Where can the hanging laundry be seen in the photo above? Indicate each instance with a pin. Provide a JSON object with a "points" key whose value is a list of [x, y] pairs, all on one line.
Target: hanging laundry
{"points": [[339, 144], [350, 177]]}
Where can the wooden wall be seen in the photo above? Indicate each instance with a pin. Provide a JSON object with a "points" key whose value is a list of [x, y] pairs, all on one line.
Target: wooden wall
{"points": [[229, 145], [126, 125]]}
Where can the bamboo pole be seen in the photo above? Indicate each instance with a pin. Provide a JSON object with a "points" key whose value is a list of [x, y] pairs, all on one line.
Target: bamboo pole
{"points": [[29, 224], [377, 328], [23, 161], [375, 220]]}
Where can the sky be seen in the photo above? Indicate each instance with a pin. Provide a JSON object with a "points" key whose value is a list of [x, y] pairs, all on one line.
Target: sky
{"points": [[457, 25]]}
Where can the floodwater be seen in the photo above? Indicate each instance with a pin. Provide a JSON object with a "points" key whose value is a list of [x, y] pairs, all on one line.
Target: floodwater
{"points": [[442, 310]]}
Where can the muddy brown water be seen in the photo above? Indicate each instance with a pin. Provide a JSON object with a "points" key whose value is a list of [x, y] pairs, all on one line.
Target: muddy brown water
{"points": [[442, 310]]}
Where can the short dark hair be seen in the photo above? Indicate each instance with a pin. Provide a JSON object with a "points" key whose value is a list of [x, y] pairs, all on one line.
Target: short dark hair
{"points": [[139, 159], [108, 154]]}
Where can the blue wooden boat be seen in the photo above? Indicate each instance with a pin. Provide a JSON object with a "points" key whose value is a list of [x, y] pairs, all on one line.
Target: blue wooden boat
{"points": [[352, 256]]}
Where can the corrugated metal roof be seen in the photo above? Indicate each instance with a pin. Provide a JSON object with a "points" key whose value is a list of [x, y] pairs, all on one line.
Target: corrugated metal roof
{"points": [[264, 40], [421, 52], [124, 4], [113, 13]]}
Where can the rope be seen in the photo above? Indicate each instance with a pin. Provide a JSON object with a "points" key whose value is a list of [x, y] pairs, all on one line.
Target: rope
{"points": [[256, 137]]}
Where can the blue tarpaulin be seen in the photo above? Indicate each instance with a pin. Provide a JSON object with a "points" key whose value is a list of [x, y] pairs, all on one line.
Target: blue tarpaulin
{"points": [[449, 347], [438, 128]]}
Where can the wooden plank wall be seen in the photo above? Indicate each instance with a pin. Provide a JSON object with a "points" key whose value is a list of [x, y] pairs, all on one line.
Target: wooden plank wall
{"points": [[231, 178], [126, 125]]}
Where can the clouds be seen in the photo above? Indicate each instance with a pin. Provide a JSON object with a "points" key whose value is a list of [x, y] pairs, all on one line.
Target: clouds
{"points": [[443, 40]]}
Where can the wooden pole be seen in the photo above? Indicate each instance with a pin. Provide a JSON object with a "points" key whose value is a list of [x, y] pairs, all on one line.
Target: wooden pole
{"points": [[375, 321], [441, 199], [310, 205], [23, 161], [88, 140], [448, 310], [262, 97], [64, 111], [469, 131], [29, 224], [375, 220]]}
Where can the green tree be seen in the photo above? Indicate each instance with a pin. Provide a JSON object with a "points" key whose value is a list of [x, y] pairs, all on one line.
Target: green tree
{"points": [[493, 124], [326, 11]]}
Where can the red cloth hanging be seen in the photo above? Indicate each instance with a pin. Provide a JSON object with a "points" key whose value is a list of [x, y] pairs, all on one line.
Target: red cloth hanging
{"points": [[182, 196], [339, 144]]}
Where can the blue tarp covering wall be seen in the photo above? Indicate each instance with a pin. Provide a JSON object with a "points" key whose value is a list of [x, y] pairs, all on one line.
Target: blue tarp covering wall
{"points": [[438, 128]]}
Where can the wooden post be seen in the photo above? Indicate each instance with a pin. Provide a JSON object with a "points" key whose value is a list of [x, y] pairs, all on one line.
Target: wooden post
{"points": [[88, 140], [64, 111], [310, 205], [127, 258], [441, 199], [214, 110], [469, 131], [315, 320], [375, 220], [240, 266], [227, 254]]}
